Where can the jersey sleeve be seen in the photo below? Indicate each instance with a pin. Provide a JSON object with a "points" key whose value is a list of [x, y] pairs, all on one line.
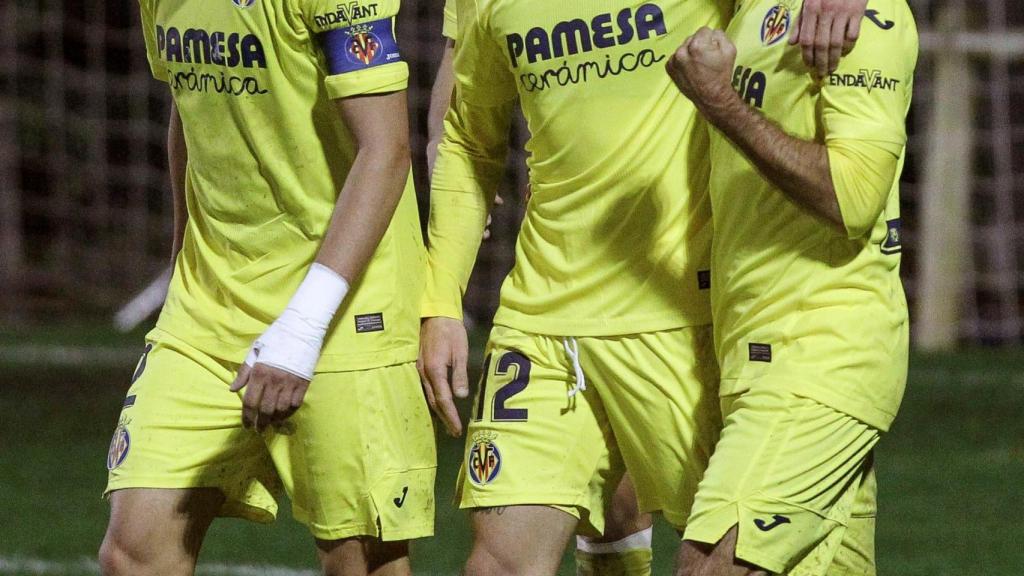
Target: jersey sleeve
{"points": [[482, 72], [864, 108], [358, 43], [149, 33], [867, 97], [470, 163], [451, 23]]}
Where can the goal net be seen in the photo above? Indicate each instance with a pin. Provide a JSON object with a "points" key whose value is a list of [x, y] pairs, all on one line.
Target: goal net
{"points": [[85, 210]]}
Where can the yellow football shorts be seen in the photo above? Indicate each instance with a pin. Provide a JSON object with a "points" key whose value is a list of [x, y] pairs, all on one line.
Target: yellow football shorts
{"points": [[357, 459], [650, 404], [796, 477]]}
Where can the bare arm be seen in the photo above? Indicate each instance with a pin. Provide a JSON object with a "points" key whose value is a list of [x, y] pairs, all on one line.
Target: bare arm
{"points": [[374, 185], [177, 160], [800, 168], [440, 99], [362, 213], [844, 181]]}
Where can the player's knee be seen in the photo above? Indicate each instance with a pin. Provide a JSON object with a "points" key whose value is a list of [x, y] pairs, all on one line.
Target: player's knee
{"points": [[117, 559], [483, 563], [697, 559], [356, 556]]}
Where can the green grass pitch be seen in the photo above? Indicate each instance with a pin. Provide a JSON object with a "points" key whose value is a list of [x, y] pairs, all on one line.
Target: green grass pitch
{"points": [[951, 474]]}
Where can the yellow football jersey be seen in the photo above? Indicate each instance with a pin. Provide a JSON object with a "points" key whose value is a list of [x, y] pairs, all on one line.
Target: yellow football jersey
{"points": [[788, 290], [616, 237], [268, 153]]}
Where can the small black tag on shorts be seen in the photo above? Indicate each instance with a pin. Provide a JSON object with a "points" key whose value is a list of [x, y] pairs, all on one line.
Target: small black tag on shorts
{"points": [[369, 323], [760, 352], [703, 279]]}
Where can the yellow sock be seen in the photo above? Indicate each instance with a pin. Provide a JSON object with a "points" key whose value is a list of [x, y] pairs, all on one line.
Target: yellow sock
{"points": [[630, 556], [635, 562]]}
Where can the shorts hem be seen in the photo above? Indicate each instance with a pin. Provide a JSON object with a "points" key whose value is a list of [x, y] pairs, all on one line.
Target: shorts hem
{"points": [[346, 531], [713, 526], [555, 499], [230, 508]]}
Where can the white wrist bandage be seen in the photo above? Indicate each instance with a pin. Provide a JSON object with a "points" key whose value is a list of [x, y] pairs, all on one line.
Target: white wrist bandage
{"points": [[293, 342]]}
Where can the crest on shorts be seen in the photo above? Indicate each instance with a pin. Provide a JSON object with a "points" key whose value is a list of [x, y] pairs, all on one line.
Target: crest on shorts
{"points": [[775, 24], [484, 459], [119, 445], [244, 3]]}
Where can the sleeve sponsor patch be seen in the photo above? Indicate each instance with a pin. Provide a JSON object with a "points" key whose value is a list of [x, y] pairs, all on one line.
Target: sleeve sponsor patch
{"points": [[361, 46], [893, 242]]}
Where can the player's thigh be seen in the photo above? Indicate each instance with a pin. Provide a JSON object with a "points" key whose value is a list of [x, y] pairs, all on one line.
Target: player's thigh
{"points": [[719, 559], [157, 531], [529, 441], [364, 555], [180, 427], [622, 516], [785, 473], [359, 458], [660, 391], [506, 542]]}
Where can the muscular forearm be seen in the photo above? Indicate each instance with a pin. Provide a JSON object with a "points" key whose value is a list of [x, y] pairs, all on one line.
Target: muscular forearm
{"points": [[440, 99], [374, 185], [177, 161], [364, 209], [800, 168]]}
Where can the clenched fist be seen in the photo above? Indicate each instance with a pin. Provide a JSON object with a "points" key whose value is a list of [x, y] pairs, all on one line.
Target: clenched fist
{"points": [[702, 69]]}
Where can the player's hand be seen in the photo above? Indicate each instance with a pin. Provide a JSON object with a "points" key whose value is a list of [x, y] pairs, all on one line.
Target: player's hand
{"points": [[702, 68], [271, 395], [277, 371], [827, 30], [444, 350]]}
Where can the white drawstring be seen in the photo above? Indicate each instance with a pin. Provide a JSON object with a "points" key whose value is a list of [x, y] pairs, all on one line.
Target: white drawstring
{"points": [[572, 349]]}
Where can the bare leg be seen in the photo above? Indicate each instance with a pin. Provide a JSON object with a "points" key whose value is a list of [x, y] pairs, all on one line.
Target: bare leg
{"points": [[625, 547], [364, 557], [157, 532], [699, 559], [623, 517], [519, 541]]}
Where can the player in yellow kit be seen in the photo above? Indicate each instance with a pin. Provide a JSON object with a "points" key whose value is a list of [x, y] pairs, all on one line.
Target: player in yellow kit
{"points": [[284, 356], [810, 318], [625, 545], [601, 356]]}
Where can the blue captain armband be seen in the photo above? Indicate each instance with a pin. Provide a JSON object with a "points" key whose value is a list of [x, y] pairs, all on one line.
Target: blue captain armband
{"points": [[361, 46]]}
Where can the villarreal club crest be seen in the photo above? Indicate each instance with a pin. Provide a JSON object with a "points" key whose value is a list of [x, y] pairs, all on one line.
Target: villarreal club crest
{"points": [[244, 3], [775, 25], [363, 46], [484, 459], [119, 445]]}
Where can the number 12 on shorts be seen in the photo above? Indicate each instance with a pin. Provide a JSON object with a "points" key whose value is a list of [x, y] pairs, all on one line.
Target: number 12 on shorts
{"points": [[508, 362]]}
